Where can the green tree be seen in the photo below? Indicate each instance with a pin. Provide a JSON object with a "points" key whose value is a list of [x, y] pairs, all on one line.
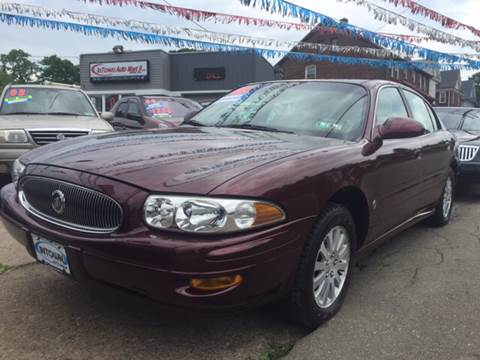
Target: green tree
{"points": [[4, 79], [53, 68], [18, 66]]}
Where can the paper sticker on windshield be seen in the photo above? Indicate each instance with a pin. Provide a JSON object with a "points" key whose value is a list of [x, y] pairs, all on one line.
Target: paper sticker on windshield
{"points": [[17, 92], [327, 125], [239, 94], [159, 109], [17, 99]]}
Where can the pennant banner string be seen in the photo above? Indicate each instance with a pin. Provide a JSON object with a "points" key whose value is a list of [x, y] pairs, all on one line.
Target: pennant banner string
{"points": [[307, 16], [447, 22], [408, 38], [200, 15], [232, 39], [170, 41], [393, 18]]}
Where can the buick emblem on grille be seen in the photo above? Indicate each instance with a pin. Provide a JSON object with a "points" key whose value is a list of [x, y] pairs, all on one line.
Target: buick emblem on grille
{"points": [[58, 201], [61, 137]]}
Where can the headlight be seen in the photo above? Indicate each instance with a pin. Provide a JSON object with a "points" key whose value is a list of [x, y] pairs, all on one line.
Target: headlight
{"points": [[93, 132], [13, 136], [209, 215], [18, 168]]}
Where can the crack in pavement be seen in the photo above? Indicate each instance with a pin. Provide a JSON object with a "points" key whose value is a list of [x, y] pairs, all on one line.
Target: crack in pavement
{"points": [[413, 280], [17, 267]]}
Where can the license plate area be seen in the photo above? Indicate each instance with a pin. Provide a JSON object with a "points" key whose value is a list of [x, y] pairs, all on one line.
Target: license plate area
{"points": [[51, 253]]}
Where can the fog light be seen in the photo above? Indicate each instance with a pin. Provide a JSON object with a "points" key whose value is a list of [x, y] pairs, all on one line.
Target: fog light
{"points": [[214, 284]]}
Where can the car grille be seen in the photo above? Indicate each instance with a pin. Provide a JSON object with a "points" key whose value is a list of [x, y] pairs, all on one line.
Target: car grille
{"points": [[84, 209], [467, 152], [42, 137]]}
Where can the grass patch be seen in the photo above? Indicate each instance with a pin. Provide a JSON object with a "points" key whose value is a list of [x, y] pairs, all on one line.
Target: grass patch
{"points": [[4, 268], [274, 351]]}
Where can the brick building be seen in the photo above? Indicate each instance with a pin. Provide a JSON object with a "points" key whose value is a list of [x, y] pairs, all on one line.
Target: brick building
{"points": [[449, 91], [288, 68]]}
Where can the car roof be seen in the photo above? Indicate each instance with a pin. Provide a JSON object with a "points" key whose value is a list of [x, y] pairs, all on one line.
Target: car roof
{"points": [[59, 87], [364, 82], [457, 110], [155, 96]]}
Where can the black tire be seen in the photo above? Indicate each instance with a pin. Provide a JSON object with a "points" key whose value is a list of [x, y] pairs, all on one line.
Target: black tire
{"points": [[304, 308], [439, 218]]}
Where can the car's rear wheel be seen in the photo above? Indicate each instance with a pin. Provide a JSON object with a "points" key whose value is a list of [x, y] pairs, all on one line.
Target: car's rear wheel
{"points": [[325, 268], [444, 208]]}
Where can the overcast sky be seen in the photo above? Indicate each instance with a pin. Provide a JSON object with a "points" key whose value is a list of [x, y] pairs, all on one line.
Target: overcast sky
{"points": [[41, 43]]}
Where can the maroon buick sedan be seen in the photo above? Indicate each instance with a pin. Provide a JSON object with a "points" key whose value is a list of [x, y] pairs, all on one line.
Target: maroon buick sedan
{"points": [[269, 193]]}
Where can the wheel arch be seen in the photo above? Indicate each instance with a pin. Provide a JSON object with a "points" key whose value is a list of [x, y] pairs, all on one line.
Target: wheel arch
{"points": [[356, 202]]}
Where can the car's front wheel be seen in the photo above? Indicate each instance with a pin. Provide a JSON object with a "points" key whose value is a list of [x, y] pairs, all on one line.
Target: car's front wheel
{"points": [[325, 268], [444, 208]]}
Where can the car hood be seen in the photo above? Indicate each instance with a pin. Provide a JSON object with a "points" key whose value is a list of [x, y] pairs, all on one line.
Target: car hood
{"points": [[52, 122], [466, 137], [185, 159]]}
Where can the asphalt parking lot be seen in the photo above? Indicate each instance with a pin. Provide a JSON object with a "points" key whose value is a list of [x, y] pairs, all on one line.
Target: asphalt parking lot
{"points": [[416, 297]]}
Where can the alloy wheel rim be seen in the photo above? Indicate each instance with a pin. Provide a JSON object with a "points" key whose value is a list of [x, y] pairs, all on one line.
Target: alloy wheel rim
{"points": [[447, 198], [331, 266]]}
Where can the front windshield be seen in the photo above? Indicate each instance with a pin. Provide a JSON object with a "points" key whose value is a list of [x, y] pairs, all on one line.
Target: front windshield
{"points": [[326, 109], [451, 118], [26, 100], [471, 121]]}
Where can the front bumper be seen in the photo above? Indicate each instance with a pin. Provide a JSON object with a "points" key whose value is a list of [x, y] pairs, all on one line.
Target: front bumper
{"points": [[469, 171], [161, 265]]}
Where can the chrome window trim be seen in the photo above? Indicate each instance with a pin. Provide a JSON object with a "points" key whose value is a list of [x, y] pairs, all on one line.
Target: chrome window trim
{"points": [[85, 229]]}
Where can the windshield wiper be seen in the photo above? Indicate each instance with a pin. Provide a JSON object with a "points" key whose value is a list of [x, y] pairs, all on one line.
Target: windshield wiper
{"points": [[62, 113], [23, 113], [193, 123], [257, 127]]}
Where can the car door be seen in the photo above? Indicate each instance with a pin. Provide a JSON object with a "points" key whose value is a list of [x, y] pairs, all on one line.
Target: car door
{"points": [[436, 148], [134, 118], [120, 115], [396, 171]]}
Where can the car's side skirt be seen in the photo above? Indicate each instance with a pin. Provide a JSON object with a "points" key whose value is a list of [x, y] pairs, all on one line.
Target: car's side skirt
{"points": [[392, 232]]}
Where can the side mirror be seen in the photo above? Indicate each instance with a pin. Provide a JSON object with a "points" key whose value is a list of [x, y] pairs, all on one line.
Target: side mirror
{"points": [[400, 128], [107, 116], [393, 128]]}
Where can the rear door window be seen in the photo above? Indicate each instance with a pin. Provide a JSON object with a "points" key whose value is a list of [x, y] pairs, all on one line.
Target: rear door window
{"points": [[419, 110], [389, 105]]}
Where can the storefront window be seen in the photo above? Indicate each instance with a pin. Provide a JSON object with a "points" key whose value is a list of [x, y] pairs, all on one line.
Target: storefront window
{"points": [[110, 101], [97, 102]]}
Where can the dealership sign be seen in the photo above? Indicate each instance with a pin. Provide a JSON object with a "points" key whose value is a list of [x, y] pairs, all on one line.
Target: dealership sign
{"points": [[119, 71]]}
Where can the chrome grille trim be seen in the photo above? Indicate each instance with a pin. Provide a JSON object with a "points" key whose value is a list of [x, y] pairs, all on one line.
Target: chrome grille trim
{"points": [[80, 194], [47, 136], [467, 152]]}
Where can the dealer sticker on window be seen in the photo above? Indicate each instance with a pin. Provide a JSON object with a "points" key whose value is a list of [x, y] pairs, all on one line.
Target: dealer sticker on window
{"points": [[51, 253]]}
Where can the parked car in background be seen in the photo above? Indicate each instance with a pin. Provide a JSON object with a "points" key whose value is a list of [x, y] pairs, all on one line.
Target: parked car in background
{"points": [[146, 112], [35, 115], [464, 123], [271, 192]]}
